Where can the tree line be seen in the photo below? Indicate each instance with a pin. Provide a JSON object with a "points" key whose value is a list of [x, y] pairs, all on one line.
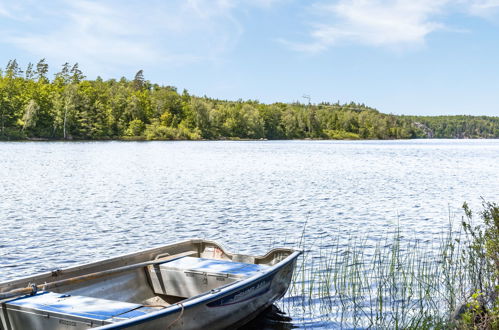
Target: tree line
{"points": [[69, 106]]}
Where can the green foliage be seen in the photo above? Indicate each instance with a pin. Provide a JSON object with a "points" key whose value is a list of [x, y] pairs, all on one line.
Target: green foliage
{"points": [[70, 107], [135, 128], [158, 131], [335, 134], [454, 126], [30, 114], [477, 316], [482, 256], [10, 134]]}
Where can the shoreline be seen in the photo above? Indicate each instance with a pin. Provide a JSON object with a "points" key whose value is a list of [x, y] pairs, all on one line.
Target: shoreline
{"points": [[229, 139]]}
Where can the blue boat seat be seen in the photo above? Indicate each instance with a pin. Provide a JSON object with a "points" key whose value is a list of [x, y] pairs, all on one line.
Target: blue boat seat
{"points": [[190, 276], [215, 266], [88, 309]]}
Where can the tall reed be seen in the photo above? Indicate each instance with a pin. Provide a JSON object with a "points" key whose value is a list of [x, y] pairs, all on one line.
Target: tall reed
{"points": [[399, 283]]}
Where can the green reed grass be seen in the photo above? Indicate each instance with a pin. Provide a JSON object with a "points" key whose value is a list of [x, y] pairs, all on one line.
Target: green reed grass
{"points": [[400, 283]]}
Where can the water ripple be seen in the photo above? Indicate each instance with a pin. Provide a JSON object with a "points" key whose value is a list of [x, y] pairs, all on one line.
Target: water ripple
{"points": [[68, 203]]}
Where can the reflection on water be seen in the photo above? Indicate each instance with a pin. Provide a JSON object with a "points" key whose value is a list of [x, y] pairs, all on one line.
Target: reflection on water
{"points": [[68, 203], [271, 318]]}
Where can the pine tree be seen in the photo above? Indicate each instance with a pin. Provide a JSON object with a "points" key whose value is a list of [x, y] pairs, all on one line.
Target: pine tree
{"points": [[41, 70], [138, 81], [76, 74]]}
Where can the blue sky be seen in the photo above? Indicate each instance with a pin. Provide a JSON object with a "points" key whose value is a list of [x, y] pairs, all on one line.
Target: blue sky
{"points": [[428, 57]]}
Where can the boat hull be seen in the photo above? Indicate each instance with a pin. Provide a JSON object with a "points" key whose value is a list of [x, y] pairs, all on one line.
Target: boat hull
{"points": [[123, 292], [229, 307]]}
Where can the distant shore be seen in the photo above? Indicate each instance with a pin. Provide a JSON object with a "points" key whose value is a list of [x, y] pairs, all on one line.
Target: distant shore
{"points": [[220, 140], [71, 107]]}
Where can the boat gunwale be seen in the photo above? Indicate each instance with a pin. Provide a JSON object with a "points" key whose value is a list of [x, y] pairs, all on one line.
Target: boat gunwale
{"points": [[11, 284]]}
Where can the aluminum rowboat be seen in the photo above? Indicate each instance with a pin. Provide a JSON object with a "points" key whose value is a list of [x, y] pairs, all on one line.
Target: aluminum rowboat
{"points": [[194, 284]]}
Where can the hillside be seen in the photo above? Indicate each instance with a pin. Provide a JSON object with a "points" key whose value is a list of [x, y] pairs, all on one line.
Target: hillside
{"points": [[71, 107]]}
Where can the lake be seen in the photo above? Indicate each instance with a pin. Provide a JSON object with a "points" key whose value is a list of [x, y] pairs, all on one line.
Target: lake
{"points": [[63, 203]]}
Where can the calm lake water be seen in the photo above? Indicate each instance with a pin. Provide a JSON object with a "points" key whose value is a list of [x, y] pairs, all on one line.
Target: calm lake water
{"points": [[63, 203]]}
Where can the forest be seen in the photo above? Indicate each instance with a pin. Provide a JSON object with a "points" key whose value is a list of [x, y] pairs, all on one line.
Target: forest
{"points": [[70, 107]]}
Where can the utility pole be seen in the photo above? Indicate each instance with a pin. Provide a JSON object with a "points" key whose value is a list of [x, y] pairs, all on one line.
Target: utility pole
{"points": [[308, 128], [305, 96]]}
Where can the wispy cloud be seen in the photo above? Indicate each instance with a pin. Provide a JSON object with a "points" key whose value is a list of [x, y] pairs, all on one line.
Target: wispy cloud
{"points": [[4, 11], [180, 32], [89, 34], [392, 23], [13, 10], [265, 3], [484, 8], [114, 33], [383, 23]]}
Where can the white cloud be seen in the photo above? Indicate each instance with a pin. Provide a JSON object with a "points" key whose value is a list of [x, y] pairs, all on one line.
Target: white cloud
{"points": [[90, 33], [384, 23], [392, 23], [264, 3], [13, 10], [203, 9], [484, 8], [4, 11], [114, 33]]}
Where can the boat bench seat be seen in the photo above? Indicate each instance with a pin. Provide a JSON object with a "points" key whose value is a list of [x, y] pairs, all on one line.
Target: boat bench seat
{"points": [[191, 276], [46, 307]]}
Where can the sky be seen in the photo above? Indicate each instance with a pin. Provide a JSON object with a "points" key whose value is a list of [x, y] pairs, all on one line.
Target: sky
{"points": [[415, 57]]}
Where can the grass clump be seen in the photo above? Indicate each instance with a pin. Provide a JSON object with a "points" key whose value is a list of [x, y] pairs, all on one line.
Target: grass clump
{"points": [[404, 284]]}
